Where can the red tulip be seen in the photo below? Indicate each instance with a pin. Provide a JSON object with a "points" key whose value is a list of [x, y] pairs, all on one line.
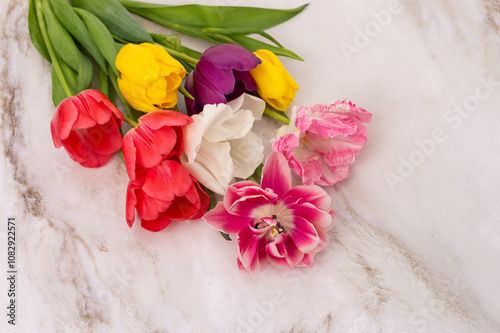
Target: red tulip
{"points": [[160, 188], [167, 193], [87, 126]]}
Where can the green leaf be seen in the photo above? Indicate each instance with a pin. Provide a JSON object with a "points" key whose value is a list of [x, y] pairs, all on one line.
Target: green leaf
{"points": [[241, 32], [118, 46], [188, 31], [227, 17], [116, 18], [104, 85], [85, 73], [77, 29], [226, 236], [254, 45], [190, 52], [258, 171], [35, 33], [60, 38], [171, 41], [100, 35], [58, 93]]}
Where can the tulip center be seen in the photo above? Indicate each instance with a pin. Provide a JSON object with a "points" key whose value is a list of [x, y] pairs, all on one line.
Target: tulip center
{"points": [[275, 224]]}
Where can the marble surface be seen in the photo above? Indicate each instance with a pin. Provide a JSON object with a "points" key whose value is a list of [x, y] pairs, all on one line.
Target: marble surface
{"points": [[416, 244]]}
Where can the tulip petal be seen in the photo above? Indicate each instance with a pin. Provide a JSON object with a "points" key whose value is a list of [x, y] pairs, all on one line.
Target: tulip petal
{"points": [[277, 248], [252, 206], [219, 79], [231, 56], [258, 264], [193, 134], [319, 218], [79, 149], [94, 107], [183, 208], [351, 109], [245, 83], [213, 166], [247, 154], [304, 234], [324, 124], [204, 199], [235, 126], [250, 247], [104, 103], [332, 175], [154, 146], [130, 204], [161, 118], [63, 120], [105, 139], [293, 257], [205, 93], [193, 204], [314, 195], [220, 219], [307, 260], [129, 153], [276, 174], [88, 112], [249, 102], [338, 150], [149, 208], [243, 189], [157, 224], [166, 181], [308, 165]]}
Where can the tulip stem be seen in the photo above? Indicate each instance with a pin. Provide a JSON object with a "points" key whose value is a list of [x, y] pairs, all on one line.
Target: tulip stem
{"points": [[126, 106], [52, 53], [130, 121], [276, 116], [120, 153], [186, 93], [179, 55], [104, 83]]}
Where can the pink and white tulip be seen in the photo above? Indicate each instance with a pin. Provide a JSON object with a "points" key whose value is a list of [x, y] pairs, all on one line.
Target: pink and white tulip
{"points": [[322, 141], [274, 222]]}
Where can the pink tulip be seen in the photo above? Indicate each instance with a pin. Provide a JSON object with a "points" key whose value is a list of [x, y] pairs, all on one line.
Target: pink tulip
{"points": [[322, 141], [274, 222]]}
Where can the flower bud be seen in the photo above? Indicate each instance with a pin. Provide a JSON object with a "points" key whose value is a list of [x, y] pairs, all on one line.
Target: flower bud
{"points": [[274, 84], [150, 77]]}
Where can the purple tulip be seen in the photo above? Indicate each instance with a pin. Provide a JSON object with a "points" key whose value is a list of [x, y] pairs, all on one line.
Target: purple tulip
{"points": [[221, 75]]}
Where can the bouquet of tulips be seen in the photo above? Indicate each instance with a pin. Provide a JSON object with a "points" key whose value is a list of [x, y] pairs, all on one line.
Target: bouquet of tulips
{"points": [[180, 160]]}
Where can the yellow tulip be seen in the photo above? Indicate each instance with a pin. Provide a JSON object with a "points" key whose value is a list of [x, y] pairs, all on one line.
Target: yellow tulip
{"points": [[274, 84], [150, 77]]}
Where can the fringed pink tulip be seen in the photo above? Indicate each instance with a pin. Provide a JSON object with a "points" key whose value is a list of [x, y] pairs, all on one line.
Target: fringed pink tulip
{"points": [[322, 141], [274, 222]]}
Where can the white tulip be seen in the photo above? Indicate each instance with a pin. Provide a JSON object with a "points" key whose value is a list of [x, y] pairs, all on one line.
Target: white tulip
{"points": [[219, 144]]}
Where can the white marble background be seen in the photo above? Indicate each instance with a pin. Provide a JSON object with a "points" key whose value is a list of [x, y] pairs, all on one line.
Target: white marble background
{"points": [[416, 244]]}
